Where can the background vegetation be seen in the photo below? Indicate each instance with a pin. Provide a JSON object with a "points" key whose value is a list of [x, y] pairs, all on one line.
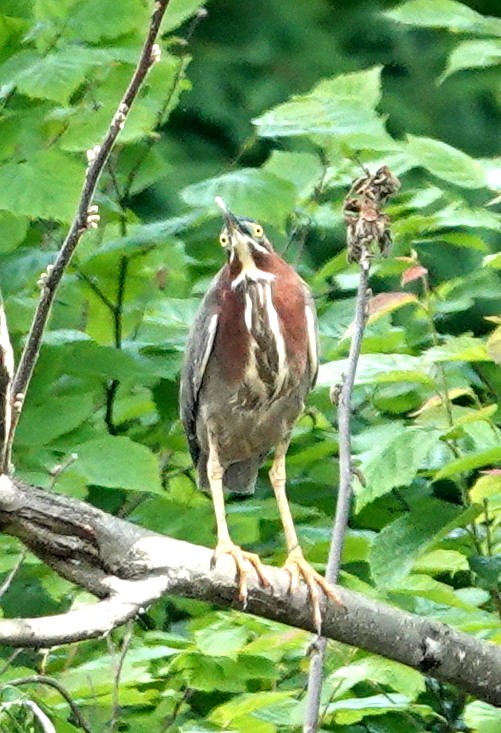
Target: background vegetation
{"points": [[416, 86]]}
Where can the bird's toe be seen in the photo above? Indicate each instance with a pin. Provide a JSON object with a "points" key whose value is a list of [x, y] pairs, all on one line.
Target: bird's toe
{"points": [[243, 559], [298, 567]]}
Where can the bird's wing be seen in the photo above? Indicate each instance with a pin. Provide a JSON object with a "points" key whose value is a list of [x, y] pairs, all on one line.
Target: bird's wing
{"points": [[312, 330], [198, 351]]}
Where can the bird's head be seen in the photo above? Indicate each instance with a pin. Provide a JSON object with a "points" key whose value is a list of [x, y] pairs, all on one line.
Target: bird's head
{"points": [[241, 237]]}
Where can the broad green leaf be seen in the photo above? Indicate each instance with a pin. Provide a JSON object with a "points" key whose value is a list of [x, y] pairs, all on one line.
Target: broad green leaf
{"points": [[493, 261], [178, 11], [470, 462], [394, 463], [377, 368], [303, 170], [482, 718], [46, 186], [446, 162], [380, 671], [473, 55], [13, 230], [416, 531], [248, 192], [449, 14], [244, 704], [458, 348], [221, 642], [58, 74], [41, 424], [458, 215], [119, 462], [422, 586], [352, 710], [343, 106], [94, 20], [441, 561]]}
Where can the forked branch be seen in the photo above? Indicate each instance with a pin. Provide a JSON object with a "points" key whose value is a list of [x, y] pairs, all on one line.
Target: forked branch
{"points": [[85, 218], [129, 567]]}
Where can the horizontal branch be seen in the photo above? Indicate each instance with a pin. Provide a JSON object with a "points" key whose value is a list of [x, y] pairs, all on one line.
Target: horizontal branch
{"points": [[130, 567]]}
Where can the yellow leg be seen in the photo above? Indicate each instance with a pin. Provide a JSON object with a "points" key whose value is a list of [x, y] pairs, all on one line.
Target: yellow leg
{"points": [[225, 546], [296, 565]]}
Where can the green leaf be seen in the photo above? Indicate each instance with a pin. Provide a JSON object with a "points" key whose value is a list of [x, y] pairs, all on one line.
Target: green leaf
{"points": [[58, 74], [444, 14], [446, 162], [352, 710], [98, 19], [488, 569], [244, 704], [423, 526], [376, 369], [119, 462], [473, 55], [343, 106], [380, 671], [303, 170], [248, 192], [41, 424], [13, 230], [221, 642], [482, 718], [458, 348], [470, 462], [46, 186], [178, 11], [394, 463]]}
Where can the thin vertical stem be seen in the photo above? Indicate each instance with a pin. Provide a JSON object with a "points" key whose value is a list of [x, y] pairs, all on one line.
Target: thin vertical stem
{"points": [[344, 494]]}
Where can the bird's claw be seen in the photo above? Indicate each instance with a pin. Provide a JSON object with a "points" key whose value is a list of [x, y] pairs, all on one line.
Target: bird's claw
{"points": [[298, 567], [242, 560]]}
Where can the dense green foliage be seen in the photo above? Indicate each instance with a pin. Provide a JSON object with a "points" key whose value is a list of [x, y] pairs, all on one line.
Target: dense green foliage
{"points": [[416, 86]]}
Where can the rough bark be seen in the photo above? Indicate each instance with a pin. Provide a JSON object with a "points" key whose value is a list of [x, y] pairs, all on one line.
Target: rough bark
{"points": [[129, 567]]}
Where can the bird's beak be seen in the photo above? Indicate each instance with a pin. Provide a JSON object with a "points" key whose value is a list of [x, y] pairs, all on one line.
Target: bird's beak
{"points": [[230, 219]]}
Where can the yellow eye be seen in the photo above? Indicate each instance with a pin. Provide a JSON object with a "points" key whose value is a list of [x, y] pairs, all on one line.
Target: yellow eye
{"points": [[258, 230], [224, 240]]}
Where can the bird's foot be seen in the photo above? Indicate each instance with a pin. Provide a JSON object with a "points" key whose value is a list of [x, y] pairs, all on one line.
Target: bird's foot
{"points": [[242, 560], [298, 567]]}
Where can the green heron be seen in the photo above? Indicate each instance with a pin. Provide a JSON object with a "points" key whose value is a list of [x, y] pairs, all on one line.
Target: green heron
{"points": [[251, 359]]}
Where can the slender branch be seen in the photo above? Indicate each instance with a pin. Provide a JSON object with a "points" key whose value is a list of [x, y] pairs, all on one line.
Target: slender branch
{"points": [[40, 679], [115, 715], [130, 567], [112, 388], [6, 375], [10, 577], [81, 222], [318, 648], [366, 225]]}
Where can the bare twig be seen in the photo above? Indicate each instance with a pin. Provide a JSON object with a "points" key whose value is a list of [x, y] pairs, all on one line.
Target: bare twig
{"points": [[366, 225], [10, 577], [83, 220], [115, 715], [8, 662], [6, 374], [39, 679], [38, 713]]}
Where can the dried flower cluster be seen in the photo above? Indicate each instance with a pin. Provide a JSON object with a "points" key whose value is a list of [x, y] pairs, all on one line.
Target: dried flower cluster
{"points": [[366, 223]]}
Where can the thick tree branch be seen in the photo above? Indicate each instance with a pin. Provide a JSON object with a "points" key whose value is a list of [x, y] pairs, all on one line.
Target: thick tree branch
{"points": [[130, 567], [84, 218]]}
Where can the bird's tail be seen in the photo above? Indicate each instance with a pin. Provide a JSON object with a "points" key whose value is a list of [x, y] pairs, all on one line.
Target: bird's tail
{"points": [[238, 478]]}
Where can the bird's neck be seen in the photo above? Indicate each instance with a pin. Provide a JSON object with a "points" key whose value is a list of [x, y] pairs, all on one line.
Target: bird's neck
{"points": [[248, 268]]}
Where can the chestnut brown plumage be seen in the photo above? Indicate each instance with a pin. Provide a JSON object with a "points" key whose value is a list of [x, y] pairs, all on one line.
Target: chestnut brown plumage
{"points": [[251, 359]]}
